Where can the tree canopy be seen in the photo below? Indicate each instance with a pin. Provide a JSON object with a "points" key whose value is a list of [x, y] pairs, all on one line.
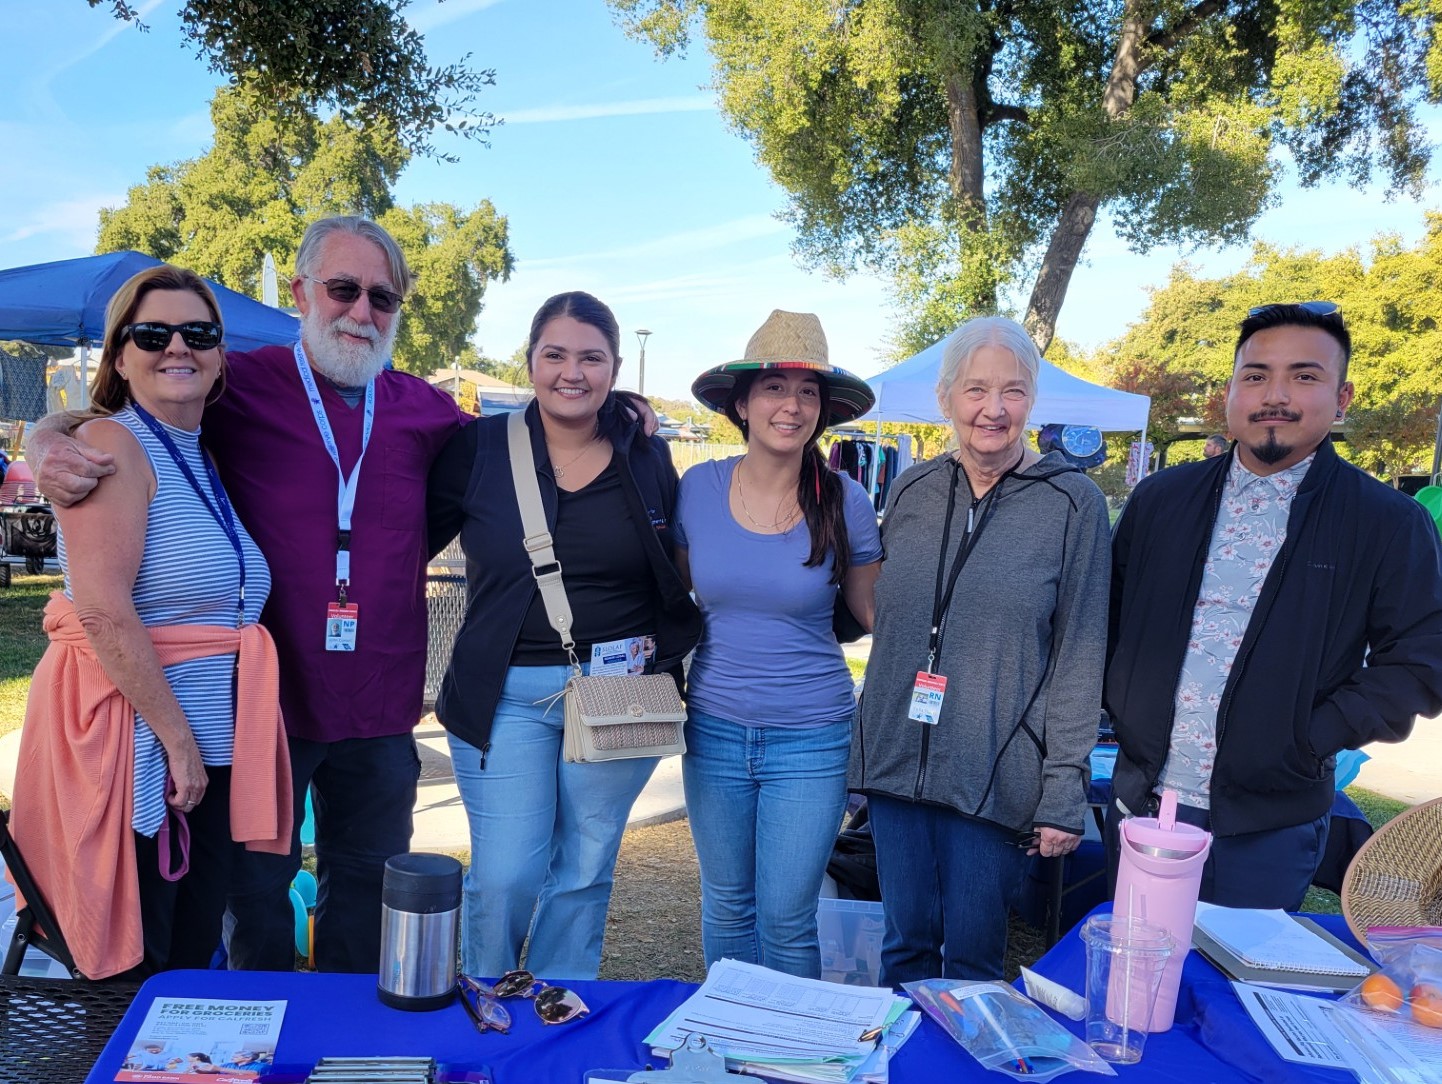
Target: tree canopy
{"points": [[968, 147], [263, 181], [1181, 351], [357, 57]]}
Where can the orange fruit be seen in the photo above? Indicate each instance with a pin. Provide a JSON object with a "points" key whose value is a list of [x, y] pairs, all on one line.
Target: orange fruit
{"points": [[1380, 992], [1427, 1005]]}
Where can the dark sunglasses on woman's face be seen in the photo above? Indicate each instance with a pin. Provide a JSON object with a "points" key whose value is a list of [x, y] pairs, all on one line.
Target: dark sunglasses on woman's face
{"points": [[553, 1004], [346, 292], [154, 336]]}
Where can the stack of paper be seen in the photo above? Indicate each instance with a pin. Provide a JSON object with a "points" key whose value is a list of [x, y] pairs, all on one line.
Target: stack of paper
{"points": [[787, 1028], [1274, 948]]}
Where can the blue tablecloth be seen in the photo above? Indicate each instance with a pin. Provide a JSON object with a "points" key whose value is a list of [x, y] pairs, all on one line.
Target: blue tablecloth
{"points": [[340, 1015]]}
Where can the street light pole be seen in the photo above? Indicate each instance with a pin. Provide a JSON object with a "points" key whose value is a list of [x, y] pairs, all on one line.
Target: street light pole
{"points": [[642, 334]]}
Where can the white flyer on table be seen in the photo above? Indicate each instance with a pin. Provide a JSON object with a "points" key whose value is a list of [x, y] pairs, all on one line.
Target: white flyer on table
{"points": [[753, 1013], [193, 1040], [1313, 1031]]}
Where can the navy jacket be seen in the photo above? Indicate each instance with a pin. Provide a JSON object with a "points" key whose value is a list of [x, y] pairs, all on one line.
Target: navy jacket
{"points": [[1358, 578], [471, 491]]}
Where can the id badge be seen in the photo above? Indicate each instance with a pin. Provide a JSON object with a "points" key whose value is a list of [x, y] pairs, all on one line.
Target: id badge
{"points": [[926, 697], [618, 657], [340, 626]]}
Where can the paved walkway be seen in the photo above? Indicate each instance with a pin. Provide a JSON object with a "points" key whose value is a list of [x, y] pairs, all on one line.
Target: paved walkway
{"points": [[1410, 772]]}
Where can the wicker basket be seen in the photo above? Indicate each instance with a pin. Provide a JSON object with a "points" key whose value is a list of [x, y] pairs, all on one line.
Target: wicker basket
{"points": [[1396, 878]]}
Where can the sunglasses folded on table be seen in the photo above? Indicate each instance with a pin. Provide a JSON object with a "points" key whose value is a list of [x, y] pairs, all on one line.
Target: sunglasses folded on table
{"points": [[482, 1000]]}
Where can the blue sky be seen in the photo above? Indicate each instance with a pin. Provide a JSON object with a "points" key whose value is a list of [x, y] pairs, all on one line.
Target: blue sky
{"points": [[615, 170]]}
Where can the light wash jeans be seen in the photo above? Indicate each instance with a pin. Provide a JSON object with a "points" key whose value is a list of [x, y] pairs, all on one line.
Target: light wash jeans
{"points": [[544, 837], [765, 805]]}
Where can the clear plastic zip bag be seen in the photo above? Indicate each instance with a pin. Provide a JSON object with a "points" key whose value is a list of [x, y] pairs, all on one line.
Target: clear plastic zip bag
{"points": [[1004, 1030]]}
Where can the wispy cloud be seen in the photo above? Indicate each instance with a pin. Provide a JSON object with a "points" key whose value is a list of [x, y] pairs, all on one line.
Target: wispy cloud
{"points": [[684, 242], [73, 222], [550, 114], [117, 27], [437, 14]]}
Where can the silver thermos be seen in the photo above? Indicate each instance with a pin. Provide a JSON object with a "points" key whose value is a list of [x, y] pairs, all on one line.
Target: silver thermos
{"points": [[420, 931]]}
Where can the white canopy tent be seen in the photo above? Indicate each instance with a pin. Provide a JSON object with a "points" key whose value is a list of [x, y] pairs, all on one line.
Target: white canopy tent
{"points": [[907, 393]]}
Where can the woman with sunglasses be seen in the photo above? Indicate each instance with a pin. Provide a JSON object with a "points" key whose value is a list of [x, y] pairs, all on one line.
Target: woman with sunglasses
{"points": [[770, 540], [545, 833], [152, 739]]}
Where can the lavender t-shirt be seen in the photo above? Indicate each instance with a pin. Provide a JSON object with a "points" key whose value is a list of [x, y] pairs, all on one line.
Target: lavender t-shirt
{"points": [[768, 656]]}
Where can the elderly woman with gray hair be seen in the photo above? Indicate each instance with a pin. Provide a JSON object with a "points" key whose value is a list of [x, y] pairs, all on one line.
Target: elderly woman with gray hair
{"points": [[984, 685]]}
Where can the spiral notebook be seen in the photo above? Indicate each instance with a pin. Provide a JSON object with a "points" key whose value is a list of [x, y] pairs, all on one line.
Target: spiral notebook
{"points": [[1274, 941]]}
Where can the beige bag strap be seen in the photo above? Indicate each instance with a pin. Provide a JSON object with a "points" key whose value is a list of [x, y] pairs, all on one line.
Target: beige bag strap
{"points": [[538, 541]]}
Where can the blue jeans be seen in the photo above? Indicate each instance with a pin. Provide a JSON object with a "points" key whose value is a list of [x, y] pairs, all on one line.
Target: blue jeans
{"points": [[364, 798], [544, 836], [947, 885], [765, 805]]}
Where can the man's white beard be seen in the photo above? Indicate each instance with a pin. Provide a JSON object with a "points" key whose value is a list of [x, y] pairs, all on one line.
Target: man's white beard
{"points": [[341, 361]]}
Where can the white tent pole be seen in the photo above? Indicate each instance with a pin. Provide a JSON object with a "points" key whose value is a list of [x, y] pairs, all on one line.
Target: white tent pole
{"points": [[84, 373], [1144, 459], [875, 452]]}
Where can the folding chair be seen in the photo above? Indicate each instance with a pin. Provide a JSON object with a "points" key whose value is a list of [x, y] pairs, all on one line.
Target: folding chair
{"points": [[34, 923], [51, 1030]]}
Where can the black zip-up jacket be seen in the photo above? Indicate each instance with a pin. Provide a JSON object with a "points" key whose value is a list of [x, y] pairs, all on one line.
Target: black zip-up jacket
{"points": [[1358, 577], [471, 491]]}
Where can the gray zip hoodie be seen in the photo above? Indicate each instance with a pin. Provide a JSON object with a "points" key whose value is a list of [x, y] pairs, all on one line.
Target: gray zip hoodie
{"points": [[1023, 646]]}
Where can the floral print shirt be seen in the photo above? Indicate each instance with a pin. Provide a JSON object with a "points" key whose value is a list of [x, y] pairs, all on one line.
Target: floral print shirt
{"points": [[1250, 529]]}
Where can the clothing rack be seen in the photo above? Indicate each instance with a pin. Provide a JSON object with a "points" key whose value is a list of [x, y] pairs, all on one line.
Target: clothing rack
{"points": [[875, 462]]}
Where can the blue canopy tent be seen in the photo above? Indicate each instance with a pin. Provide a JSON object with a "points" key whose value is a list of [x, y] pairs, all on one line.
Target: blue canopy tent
{"points": [[63, 304]]}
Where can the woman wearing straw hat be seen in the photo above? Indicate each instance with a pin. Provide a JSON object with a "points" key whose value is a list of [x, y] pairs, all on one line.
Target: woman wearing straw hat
{"points": [[983, 688], [768, 540]]}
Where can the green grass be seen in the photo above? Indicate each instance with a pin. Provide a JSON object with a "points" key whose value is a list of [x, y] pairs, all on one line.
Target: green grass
{"points": [[1379, 809], [858, 668], [22, 642]]}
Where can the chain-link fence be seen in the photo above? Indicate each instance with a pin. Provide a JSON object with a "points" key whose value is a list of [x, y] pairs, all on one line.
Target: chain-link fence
{"points": [[686, 455], [445, 609]]}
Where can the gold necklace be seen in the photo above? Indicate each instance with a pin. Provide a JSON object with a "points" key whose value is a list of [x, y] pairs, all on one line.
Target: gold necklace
{"points": [[787, 519], [560, 471]]}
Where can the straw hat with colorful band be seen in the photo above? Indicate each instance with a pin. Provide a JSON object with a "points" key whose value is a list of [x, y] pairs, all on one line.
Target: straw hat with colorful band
{"points": [[789, 340], [1395, 879]]}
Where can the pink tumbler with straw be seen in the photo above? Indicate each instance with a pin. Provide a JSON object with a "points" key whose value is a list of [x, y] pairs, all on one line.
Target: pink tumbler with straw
{"points": [[1158, 878]]}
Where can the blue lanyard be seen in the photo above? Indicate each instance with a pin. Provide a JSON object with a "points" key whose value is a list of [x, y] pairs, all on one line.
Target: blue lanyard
{"points": [[219, 510], [345, 499]]}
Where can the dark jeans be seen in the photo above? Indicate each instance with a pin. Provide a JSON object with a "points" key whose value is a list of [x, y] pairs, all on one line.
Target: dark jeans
{"points": [[1271, 869], [180, 920], [948, 883], [364, 794]]}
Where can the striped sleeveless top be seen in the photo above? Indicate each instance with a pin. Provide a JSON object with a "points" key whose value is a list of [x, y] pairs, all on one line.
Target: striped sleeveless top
{"points": [[188, 576]]}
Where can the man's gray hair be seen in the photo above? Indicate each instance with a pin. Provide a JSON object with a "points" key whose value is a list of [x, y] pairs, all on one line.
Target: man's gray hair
{"points": [[307, 257], [965, 341]]}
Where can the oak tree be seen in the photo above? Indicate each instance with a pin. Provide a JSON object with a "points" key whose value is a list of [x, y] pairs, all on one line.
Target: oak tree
{"points": [[263, 181], [969, 145], [356, 57]]}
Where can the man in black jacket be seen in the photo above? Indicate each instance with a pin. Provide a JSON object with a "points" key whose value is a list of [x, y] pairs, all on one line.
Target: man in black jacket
{"points": [[1269, 608]]}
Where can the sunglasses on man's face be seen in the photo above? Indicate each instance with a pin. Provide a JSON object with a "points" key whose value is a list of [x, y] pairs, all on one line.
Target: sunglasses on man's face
{"points": [[153, 336], [553, 1004], [346, 292], [1316, 308]]}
